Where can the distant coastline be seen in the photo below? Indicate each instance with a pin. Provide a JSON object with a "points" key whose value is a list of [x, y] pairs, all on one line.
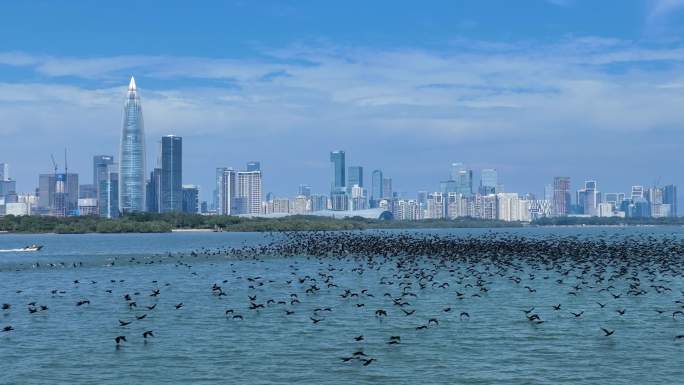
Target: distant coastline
{"points": [[177, 222]]}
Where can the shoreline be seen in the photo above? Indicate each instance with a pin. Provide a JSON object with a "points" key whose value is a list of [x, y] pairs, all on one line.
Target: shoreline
{"points": [[501, 228]]}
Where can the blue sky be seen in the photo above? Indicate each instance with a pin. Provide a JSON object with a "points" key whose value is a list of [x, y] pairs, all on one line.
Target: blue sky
{"points": [[536, 88]]}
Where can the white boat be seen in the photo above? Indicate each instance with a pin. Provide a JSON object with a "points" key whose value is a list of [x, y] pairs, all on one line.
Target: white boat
{"points": [[23, 249]]}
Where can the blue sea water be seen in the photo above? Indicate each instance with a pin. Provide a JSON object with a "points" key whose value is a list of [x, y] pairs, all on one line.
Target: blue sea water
{"points": [[198, 344]]}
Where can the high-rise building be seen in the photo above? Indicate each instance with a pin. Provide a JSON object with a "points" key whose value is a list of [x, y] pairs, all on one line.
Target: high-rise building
{"points": [[561, 195], [588, 198], [108, 198], [456, 169], [254, 165], [355, 177], [86, 191], [338, 169], [304, 190], [338, 193], [248, 192], [171, 174], [387, 188], [101, 165], [637, 192], [58, 194], [489, 181], [191, 199], [153, 191], [614, 198], [670, 198], [548, 192], [318, 202], [7, 187], [376, 188], [4, 171], [132, 154], [226, 193]]}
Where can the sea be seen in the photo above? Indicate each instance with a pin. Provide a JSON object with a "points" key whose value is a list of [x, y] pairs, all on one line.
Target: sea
{"points": [[199, 343]]}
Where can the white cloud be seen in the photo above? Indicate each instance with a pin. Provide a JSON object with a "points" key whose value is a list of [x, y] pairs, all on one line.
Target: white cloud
{"points": [[365, 100]]}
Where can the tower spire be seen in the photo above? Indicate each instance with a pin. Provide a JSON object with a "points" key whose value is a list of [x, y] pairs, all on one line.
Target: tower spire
{"points": [[131, 85]]}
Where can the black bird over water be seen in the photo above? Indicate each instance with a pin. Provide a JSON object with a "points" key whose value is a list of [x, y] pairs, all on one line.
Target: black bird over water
{"points": [[369, 286]]}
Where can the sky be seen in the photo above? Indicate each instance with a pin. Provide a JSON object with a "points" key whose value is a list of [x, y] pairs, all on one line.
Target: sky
{"points": [[534, 88]]}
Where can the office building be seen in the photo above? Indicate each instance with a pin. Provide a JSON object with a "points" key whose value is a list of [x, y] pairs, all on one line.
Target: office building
{"points": [[588, 198], [227, 192], [354, 177], [108, 198], [387, 191], [7, 187], [561, 196], [132, 154], [637, 192], [86, 191], [171, 174], [670, 198], [489, 181], [153, 191], [462, 177], [337, 159], [101, 165], [4, 171], [338, 194], [190, 199], [304, 190], [376, 188]]}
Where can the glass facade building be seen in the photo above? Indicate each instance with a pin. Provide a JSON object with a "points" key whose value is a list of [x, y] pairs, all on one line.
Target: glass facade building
{"points": [[132, 154], [171, 174], [376, 188], [489, 181], [355, 175], [338, 165]]}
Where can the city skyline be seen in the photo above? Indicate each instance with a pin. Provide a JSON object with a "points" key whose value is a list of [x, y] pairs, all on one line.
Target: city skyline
{"points": [[566, 95]]}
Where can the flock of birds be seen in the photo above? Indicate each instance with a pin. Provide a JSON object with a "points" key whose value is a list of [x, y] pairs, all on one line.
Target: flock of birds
{"points": [[410, 268]]}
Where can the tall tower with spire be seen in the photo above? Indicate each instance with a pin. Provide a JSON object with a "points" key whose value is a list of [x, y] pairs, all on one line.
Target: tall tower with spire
{"points": [[132, 154]]}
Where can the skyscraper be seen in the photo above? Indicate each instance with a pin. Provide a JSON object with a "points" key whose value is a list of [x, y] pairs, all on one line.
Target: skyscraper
{"points": [[387, 187], [489, 181], [254, 165], [338, 193], [4, 171], [589, 198], [171, 174], [108, 193], [191, 199], [456, 169], [561, 195], [132, 154], [226, 191], [670, 198], [355, 177], [338, 168], [376, 188], [304, 190], [153, 191], [100, 167]]}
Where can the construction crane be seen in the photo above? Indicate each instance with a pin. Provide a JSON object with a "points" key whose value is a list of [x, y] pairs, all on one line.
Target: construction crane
{"points": [[54, 164]]}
